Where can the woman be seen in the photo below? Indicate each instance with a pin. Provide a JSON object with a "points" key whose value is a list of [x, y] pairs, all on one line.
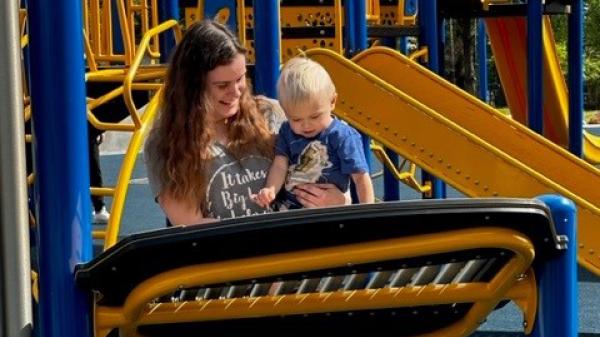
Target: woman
{"points": [[210, 148]]}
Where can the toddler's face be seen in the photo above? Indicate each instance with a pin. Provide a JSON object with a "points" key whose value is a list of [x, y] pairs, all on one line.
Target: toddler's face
{"points": [[311, 118]]}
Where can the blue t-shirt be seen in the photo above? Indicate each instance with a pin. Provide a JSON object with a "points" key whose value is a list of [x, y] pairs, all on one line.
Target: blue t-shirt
{"points": [[330, 157]]}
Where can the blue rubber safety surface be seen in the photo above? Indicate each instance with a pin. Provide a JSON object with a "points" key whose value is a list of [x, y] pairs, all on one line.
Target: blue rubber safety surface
{"points": [[141, 213]]}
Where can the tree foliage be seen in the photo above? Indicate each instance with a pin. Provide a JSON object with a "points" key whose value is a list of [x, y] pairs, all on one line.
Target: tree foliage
{"points": [[591, 49]]}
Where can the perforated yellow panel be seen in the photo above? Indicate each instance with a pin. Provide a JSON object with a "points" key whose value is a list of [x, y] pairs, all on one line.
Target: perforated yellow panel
{"points": [[248, 25], [389, 15], [307, 16], [298, 17], [393, 15], [293, 47]]}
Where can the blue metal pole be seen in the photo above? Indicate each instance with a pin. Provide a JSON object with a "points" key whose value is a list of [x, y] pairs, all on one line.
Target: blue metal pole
{"points": [[391, 187], [356, 40], [360, 24], [117, 36], [360, 36], [349, 30], [534, 66], [576, 78], [557, 279], [266, 45], [482, 56], [62, 187], [167, 10], [429, 27]]}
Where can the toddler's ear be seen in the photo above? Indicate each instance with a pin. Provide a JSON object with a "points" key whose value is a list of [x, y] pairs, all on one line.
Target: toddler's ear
{"points": [[333, 100]]}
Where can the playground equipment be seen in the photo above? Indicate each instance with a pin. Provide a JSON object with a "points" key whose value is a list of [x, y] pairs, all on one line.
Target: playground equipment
{"points": [[433, 268], [470, 270], [484, 151], [509, 46]]}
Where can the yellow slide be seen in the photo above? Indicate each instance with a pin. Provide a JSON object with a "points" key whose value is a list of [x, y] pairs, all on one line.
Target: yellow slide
{"points": [[509, 45], [451, 134]]}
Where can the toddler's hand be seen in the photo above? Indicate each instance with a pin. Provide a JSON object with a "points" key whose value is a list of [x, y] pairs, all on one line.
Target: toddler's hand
{"points": [[264, 197]]}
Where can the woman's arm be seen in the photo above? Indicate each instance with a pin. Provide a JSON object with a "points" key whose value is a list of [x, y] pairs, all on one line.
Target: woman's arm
{"points": [[179, 213], [321, 195]]}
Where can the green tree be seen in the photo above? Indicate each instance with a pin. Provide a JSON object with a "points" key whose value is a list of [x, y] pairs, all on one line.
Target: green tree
{"points": [[591, 49]]}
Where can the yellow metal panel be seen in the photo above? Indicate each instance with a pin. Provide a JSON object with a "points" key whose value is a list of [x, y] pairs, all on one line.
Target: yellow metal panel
{"points": [[301, 17], [307, 16], [468, 144], [293, 47], [388, 15]]}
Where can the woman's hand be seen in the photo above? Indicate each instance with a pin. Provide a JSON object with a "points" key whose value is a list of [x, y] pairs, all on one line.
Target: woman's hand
{"points": [[320, 195]]}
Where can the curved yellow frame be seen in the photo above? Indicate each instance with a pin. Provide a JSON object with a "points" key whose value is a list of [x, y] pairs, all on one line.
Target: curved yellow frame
{"points": [[138, 310]]}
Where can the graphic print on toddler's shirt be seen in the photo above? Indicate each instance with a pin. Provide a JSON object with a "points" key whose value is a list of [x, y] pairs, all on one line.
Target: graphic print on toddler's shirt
{"points": [[312, 161]]}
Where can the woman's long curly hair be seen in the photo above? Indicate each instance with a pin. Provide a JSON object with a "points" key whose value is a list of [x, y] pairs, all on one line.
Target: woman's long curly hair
{"points": [[181, 134]]}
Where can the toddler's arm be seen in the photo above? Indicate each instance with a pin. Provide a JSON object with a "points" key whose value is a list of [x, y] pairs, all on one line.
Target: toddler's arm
{"points": [[275, 180], [364, 187]]}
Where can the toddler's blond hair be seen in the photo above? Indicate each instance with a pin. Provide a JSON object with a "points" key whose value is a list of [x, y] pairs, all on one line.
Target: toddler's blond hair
{"points": [[303, 80]]}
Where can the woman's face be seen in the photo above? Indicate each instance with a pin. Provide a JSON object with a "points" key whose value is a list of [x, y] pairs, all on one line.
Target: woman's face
{"points": [[225, 87]]}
